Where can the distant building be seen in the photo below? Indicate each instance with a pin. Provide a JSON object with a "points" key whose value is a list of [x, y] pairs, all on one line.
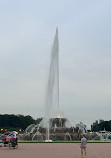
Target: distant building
{"points": [[96, 123], [100, 120]]}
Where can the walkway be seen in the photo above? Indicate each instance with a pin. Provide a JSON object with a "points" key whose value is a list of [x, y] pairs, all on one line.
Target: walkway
{"points": [[56, 150]]}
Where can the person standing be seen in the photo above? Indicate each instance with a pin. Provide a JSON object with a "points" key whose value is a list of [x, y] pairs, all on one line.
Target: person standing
{"points": [[83, 145]]}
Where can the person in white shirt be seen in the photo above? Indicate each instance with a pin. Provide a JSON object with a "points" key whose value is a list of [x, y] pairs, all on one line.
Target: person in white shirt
{"points": [[14, 139], [83, 145]]}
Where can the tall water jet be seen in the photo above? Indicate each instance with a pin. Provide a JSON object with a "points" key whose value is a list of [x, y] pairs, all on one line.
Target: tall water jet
{"points": [[52, 94]]}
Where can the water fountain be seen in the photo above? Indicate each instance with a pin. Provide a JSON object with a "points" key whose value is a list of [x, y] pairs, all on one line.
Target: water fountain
{"points": [[53, 127], [103, 135]]}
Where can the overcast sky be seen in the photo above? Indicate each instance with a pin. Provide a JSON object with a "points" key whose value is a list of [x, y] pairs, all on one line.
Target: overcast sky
{"points": [[27, 29]]}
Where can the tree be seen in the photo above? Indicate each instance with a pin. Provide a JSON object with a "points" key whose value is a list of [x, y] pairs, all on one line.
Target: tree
{"points": [[101, 126], [12, 122]]}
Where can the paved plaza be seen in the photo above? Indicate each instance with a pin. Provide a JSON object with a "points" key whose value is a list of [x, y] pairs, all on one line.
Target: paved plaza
{"points": [[56, 150]]}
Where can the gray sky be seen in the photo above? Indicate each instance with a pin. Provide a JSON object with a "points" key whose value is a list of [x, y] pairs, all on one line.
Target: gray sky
{"points": [[27, 29]]}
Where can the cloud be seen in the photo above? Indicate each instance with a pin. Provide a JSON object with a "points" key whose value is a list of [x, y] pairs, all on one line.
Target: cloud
{"points": [[27, 29]]}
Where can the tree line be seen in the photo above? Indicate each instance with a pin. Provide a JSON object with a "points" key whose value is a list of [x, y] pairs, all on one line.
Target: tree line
{"points": [[16, 122], [101, 126]]}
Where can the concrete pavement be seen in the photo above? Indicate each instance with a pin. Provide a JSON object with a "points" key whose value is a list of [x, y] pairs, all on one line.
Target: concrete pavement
{"points": [[56, 150]]}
